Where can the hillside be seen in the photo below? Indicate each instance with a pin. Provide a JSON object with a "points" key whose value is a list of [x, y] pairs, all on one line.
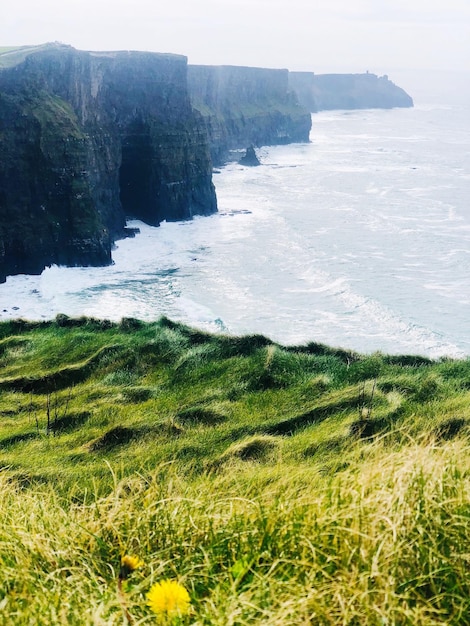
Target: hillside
{"points": [[300, 485]]}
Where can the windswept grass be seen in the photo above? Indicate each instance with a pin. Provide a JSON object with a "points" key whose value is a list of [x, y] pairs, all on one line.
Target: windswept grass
{"points": [[278, 486], [385, 541]]}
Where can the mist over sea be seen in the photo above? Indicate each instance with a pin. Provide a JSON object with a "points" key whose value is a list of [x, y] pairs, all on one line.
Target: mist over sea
{"points": [[359, 239]]}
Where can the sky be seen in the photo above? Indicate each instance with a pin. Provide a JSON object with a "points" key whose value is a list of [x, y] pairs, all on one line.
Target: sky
{"points": [[413, 41]]}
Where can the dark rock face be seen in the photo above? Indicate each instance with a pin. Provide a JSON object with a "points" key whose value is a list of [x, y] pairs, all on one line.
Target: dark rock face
{"points": [[347, 91], [246, 106], [47, 212], [88, 139]]}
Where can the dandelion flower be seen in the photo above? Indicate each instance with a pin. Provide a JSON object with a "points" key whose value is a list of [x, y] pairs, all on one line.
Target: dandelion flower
{"points": [[129, 563], [169, 597]]}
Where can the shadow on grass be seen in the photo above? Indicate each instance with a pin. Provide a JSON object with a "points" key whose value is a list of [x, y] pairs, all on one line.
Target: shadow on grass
{"points": [[200, 415], [317, 414], [20, 438], [450, 428], [70, 422]]}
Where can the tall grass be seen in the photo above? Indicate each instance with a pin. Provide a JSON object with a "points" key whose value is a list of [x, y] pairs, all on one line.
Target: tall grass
{"points": [[384, 542]]}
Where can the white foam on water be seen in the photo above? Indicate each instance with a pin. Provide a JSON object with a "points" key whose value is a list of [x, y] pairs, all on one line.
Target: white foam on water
{"points": [[359, 239]]}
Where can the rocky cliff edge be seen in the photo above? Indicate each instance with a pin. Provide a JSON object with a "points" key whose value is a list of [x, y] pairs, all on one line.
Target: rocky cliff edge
{"points": [[87, 140]]}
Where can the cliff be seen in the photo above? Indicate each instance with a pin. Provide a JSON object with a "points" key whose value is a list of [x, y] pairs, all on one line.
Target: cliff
{"points": [[303, 85], [243, 106], [88, 139], [347, 91]]}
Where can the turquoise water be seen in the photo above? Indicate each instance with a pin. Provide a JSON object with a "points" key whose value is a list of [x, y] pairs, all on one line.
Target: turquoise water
{"points": [[360, 238]]}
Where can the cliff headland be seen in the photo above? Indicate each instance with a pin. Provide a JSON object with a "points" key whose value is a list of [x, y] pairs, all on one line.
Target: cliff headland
{"points": [[318, 92], [89, 139]]}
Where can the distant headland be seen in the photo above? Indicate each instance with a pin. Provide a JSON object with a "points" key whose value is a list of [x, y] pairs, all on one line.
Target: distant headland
{"points": [[319, 92]]}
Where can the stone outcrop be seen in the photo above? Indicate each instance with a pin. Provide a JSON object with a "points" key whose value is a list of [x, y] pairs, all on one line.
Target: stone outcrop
{"points": [[246, 106], [87, 140], [250, 158], [319, 92]]}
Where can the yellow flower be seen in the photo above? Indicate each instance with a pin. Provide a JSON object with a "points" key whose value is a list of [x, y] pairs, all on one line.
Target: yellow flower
{"points": [[168, 596], [128, 565]]}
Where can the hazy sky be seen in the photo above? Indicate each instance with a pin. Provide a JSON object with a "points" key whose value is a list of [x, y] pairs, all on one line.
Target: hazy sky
{"points": [[395, 37]]}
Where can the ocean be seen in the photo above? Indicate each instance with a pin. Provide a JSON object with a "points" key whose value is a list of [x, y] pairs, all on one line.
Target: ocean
{"points": [[358, 239]]}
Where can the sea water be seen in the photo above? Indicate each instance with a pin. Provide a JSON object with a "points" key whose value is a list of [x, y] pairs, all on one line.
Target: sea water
{"points": [[358, 239]]}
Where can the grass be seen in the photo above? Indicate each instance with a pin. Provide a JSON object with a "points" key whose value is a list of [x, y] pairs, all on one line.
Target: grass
{"points": [[14, 55], [300, 485]]}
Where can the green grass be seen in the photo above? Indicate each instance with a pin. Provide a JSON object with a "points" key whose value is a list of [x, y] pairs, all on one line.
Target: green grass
{"points": [[14, 55], [300, 485]]}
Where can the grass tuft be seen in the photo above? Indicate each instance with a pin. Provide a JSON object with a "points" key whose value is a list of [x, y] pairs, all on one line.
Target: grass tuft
{"points": [[257, 448]]}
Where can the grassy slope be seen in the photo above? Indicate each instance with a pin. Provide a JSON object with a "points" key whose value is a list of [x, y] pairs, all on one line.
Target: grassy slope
{"points": [[9, 57], [280, 486]]}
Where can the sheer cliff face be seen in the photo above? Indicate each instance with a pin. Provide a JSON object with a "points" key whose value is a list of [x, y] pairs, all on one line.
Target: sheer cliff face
{"points": [[303, 85], [246, 105], [320, 92], [87, 139], [47, 210]]}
